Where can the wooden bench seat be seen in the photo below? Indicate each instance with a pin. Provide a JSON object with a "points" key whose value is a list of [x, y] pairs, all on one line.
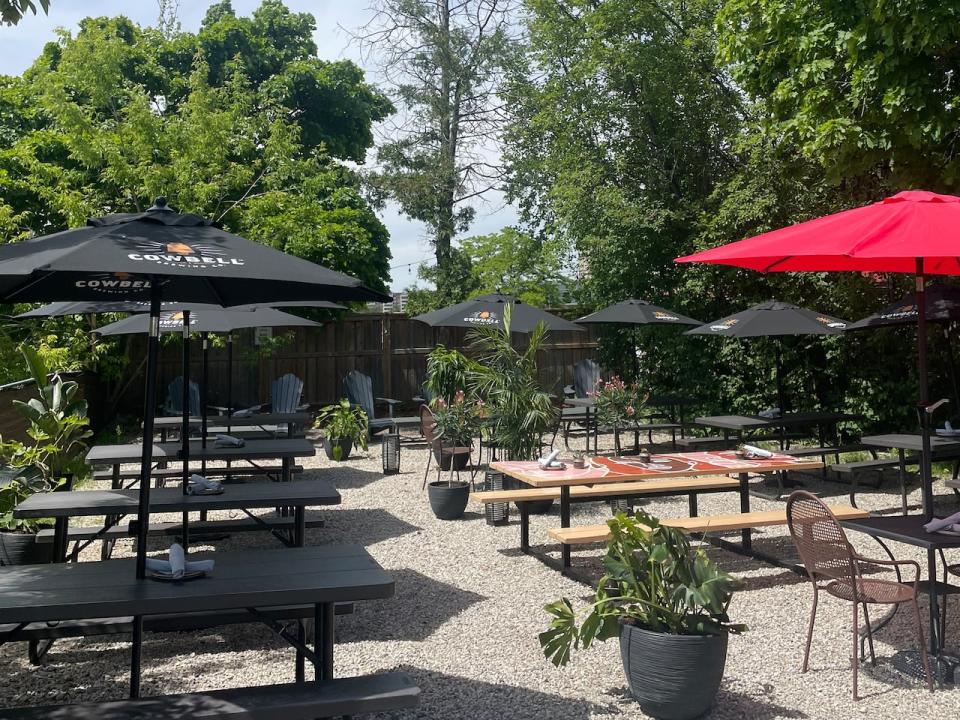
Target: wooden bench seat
{"points": [[601, 490], [586, 534], [197, 528], [383, 692]]}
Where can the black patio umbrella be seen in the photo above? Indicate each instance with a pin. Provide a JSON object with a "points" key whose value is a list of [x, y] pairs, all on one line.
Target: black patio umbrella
{"points": [[487, 310], [156, 255], [636, 312], [61, 309], [773, 319], [943, 306]]}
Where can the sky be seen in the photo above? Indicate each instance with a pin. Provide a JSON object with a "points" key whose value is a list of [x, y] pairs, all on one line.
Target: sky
{"points": [[19, 46]]}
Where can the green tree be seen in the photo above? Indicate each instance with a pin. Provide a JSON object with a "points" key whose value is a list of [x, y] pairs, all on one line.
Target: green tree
{"points": [[444, 61], [869, 90], [240, 122], [12, 11]]}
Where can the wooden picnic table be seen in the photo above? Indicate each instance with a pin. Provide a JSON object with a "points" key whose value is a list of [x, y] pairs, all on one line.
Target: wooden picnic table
{"points": [[601, 470], [275, 423], [255, 579]]}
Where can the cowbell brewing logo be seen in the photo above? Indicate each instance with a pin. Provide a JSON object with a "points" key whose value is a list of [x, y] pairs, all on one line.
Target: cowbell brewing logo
{"points": [[725, 325], [483, 317], [174, 321], [829, 322], [181, 254], [660, 315], [120, 283]]}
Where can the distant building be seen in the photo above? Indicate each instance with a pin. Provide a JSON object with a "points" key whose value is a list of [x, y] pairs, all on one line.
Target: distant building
{"points": [[398, 305]]}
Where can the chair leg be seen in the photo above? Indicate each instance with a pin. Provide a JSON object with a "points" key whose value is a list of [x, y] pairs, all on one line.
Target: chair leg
{"points": [[866, 617], [923, 645], [856, 648], [813, 618], [427, 471]]}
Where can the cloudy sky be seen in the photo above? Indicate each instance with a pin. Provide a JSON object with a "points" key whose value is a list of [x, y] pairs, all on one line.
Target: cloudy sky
{"points": [[21, 44]]}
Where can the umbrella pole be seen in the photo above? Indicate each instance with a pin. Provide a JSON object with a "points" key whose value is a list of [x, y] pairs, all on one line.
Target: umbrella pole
{"points": [[636, 361], [229, 379], [149, 403], [926, 469], [203, 392], [185, 424], [781, 401]]}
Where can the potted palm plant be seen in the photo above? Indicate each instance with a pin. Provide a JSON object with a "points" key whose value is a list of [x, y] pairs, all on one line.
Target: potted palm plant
{"points": [[520, 411], [457, 423], [667, 603], [59, 428], [342, 425]]}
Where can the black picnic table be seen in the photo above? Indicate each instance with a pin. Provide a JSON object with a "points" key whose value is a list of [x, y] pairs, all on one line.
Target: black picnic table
{"points": [[116, 503], [741, 424], [901, 442], [908, 529], [582, 409], [220, 423], [249, 579]]}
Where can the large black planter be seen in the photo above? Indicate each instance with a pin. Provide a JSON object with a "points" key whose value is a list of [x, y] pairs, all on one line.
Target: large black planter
{"points": [[673, 677], [345, 445], [534, 507], [23, 549], [448, 500], [460, 460]]}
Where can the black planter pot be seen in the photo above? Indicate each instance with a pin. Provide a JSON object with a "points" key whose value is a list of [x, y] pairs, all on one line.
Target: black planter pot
{"points": [[460, 460], [673, 677], [23, 549], [345, 445], [448, 501], [534, 507]]}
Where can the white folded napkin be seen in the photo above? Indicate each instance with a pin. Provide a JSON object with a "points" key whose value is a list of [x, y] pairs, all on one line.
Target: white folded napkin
{"points": [[176, 565], [198, 485], [757, 452], [943, 523], [550, 460], [245, 412], [769, 413], [229, 441]]}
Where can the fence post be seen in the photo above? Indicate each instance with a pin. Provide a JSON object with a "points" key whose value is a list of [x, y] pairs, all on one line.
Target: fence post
{"points": [[386, 357]]}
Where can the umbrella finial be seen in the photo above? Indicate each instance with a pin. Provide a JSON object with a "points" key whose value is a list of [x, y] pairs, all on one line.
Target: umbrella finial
{"points": [[160, 204]]}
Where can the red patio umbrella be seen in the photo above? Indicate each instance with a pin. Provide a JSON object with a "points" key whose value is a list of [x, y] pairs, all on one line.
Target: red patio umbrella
{"points": [[912, 232]]}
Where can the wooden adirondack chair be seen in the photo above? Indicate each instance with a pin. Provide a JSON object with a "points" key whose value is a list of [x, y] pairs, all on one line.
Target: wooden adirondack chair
{"points": [[359, 391], [173, 405]]}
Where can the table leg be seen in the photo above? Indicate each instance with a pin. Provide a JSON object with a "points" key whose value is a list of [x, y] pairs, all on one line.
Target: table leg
{"points": [[745, 508], [106, 549], [901, 455], [692, 501], [323, 618], [565, 522], [136, 650], [524, 527], [300, 672], [936, 642], [300, 525]]}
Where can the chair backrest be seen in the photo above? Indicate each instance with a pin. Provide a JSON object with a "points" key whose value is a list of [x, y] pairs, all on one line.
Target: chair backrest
{"points": [[819, 539], [359, 390], [285, 393], [428, 426], [586, 373], [174, 401]]}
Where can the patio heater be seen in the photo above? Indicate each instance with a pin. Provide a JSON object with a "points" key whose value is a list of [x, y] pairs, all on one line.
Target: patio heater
{"points": [[390, 447]]}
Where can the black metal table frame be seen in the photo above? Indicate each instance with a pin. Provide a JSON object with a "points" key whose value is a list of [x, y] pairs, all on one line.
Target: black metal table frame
{"points": [[745, 547]]}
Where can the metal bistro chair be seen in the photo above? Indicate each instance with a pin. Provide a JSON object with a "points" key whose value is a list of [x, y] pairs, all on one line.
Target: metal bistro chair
{"points": [[830, 559], [428, 428]]}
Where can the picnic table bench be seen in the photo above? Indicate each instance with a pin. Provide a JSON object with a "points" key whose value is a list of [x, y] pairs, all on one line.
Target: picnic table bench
{"points": [[382, 692], [587, 534], [161, 475]]}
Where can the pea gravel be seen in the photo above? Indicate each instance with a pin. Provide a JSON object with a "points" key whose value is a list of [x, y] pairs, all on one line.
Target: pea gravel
{"points": [[467, 611]]}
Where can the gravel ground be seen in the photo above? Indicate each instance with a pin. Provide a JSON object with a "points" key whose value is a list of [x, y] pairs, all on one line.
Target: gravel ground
{"points": [[467, 611]]}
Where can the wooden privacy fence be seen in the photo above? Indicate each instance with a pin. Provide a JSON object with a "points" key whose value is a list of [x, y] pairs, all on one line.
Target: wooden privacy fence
{"points": [[392, 349]]}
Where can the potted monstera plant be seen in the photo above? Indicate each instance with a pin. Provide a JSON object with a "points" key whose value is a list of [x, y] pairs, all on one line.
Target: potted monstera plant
{"points": [[342, 425], [667, 603], [58, 428]]}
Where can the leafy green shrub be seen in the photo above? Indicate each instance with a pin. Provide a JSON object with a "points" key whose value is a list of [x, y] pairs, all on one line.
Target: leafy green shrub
{"points": [[343, 421], [447, 372], [653, 580]]}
